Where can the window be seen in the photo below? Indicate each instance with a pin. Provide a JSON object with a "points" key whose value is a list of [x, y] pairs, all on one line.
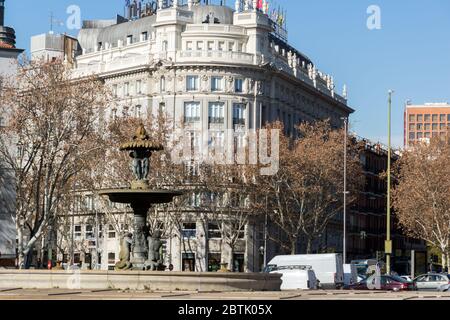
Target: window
{"points": [[239, 114], [214, 262], [427, 126], [200, 45], [412, 127], [126, 89], [144, 36], [419, 126], [239, 85], [427, 118], [412, 118], [111, 232], [111, 258], [427, 135], [435, 126], [89, 232], [214, 231], [412, 136], [442, 117], [77, 233], [435, 118], [192, 112], [129, 39], [192, 83], [189, 230], [448, 118], [164, 46], [99, 46], [189, 46], [216, 83], [221, 46], [210, 45], [114, 90], [162, 84], [419, 135], [442, 126], [188, 262], [139, 86], [162, 107], [195, 199], [216, 112], [216, 139], [137, 111], [420, 118]]}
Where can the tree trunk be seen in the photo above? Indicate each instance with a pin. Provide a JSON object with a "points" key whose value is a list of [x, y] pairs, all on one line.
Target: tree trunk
{"points": [[293, 247], [309, 246], [231, 260]]}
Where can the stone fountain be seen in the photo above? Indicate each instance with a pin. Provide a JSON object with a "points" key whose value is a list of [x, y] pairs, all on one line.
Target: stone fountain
{"points": [[140, 250]]}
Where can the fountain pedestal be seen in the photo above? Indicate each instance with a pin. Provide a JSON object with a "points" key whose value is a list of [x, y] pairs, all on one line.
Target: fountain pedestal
{"points": [[141, 198]]}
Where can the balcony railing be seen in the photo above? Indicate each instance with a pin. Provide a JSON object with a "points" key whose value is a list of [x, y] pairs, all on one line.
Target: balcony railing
{"points": [[211, 55], [216, 120], [238, 122], [191, 119]]}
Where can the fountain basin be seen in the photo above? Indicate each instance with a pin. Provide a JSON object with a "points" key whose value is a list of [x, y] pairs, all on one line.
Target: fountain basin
{"points": [[142, 197]]}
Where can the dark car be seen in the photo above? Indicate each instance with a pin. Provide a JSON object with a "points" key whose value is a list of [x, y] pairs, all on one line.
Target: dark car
{"points": [[387, 283]]}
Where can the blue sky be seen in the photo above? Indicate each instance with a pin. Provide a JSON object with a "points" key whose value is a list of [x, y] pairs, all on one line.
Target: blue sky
{"points": [[409, 54]]}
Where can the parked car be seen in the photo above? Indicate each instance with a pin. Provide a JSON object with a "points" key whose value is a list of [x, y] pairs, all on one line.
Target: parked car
{"points": [[407, 278], [432, 281], [328, 268], [387, 283], [297, 277]]}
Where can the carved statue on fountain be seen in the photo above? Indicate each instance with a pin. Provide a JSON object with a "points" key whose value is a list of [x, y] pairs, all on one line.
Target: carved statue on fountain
{"points": [[125, 253], [153, 262]]}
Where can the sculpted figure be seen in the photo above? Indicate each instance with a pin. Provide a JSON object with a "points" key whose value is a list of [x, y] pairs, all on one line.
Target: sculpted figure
{"points": [[125, 253], [154, 245]]}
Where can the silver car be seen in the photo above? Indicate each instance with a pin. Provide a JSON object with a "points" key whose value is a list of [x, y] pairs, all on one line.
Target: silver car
{"points": [[432, 281]]}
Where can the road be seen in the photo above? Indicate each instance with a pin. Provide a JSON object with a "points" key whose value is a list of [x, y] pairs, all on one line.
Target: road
{"points": [[61, 294]]}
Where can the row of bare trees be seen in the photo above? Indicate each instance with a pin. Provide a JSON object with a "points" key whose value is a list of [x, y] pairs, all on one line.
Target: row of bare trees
{"points": [[421, 197], [59, 139]]}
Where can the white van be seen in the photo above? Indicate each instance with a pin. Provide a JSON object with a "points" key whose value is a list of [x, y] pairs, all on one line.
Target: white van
{"points": [[350, 274], [328, 268], [297, 278]]}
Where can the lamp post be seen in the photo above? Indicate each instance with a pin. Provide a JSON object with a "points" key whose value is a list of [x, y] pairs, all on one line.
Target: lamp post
{"points": [[388, 243], [344, 244]]}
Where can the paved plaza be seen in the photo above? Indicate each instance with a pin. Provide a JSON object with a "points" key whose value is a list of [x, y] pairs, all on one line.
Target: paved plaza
{"points": [[61, 294]]}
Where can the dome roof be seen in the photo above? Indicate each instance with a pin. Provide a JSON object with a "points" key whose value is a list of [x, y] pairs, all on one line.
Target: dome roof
{"points": [[223, 14]]}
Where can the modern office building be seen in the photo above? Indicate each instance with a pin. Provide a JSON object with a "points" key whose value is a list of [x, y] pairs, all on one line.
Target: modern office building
{"points": [[422, 122], [8, 58], [51, 46]]}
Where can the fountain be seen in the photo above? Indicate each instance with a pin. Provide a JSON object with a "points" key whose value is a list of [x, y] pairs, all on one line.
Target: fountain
{"points": [[139, 251], [143, 253]]}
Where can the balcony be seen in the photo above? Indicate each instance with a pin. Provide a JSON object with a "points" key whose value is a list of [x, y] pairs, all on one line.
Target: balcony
{"points": [[191, 119], [238, 122], [216, 120], [215, 56]]}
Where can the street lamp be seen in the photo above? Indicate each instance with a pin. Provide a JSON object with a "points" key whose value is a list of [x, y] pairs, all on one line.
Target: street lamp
{"points": [[344, 244], [388, 243]]}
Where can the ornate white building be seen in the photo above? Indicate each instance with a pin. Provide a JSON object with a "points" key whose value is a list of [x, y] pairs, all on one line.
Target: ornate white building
{"points": [[213, 68]]}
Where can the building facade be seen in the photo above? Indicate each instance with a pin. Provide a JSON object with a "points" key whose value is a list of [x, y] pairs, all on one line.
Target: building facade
{"points": [[423, 122], [8, 59], [212, 69]]}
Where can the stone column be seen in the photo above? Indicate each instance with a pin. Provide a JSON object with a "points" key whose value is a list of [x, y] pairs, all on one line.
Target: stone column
{"points": [[139, 248]]}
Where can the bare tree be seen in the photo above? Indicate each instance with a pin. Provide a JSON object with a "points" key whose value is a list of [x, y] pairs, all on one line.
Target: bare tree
{"points": [[307, 192], [421, 196], [48, 140]]}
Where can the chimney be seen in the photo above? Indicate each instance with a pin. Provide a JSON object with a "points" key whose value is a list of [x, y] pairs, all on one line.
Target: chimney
{"points": [[2, 13]]}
